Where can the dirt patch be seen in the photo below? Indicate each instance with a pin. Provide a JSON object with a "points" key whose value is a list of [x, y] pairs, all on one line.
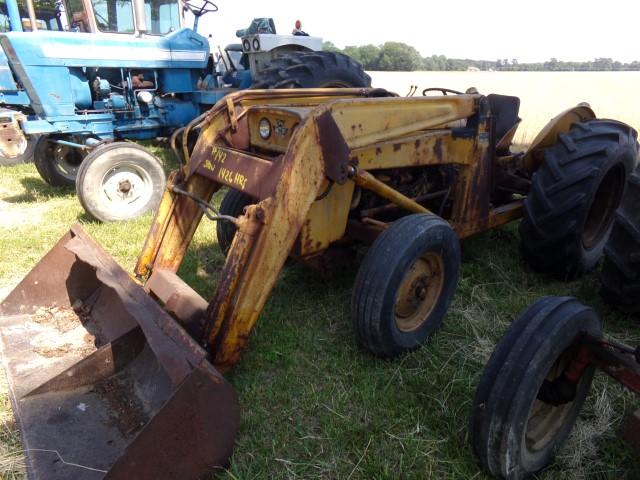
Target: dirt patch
{"points": [[68, 322], [125, 409], [62, 350], [64, 319]]}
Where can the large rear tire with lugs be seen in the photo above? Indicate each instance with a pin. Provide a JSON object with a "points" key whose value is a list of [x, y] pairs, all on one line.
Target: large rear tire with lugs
{"points": [[525, 406], [312, 70], [569, 211], [621, 271]]}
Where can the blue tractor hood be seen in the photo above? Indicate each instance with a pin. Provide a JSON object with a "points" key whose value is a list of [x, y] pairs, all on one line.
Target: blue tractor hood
{"points": [[183, 48], [52, 65]]}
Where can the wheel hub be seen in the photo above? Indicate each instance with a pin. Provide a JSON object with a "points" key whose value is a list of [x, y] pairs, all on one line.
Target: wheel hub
{"points": [[419, 292], [545, 420], [124, 185]]}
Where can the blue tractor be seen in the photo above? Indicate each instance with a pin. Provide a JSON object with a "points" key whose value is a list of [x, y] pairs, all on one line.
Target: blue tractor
{"points": [[109, 71]]}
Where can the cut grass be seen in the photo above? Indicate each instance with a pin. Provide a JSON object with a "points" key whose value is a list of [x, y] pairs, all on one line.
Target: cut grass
{"points": [[314, 405]]}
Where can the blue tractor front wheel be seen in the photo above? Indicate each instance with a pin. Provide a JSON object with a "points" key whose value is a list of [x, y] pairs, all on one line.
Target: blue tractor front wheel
{"points": [[56, 163], [120, 181]]}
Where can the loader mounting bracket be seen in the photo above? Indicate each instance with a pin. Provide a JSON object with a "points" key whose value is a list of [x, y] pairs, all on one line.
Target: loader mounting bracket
{"points": [[335, 150]]}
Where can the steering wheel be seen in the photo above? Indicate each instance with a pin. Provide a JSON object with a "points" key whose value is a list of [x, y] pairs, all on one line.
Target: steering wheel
{"points": [[444, 91], [206, 7]]}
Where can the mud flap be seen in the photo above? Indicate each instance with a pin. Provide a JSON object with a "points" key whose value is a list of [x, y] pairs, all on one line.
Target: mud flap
{"points": [[104, 383]]}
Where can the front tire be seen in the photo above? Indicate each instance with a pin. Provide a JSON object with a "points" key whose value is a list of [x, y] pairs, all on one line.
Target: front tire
{"points": [[520, 416], [233, 204], [569, 211], [57, 164], [621, 271], [312, 70], [120, 181], [405, 285]]}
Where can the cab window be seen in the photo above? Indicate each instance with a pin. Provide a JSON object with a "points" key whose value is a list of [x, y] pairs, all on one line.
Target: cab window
{"points": [[114, 15], [47, 16], [5, 25], [161, 16]]}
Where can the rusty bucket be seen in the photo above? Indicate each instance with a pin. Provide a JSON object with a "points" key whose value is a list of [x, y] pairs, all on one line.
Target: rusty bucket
{"points": [[104, 383]]}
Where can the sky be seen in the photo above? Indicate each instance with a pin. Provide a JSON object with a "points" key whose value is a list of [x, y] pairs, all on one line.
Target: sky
{"points": [[527, 30]]}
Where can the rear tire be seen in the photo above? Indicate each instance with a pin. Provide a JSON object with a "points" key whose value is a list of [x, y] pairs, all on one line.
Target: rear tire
{"points": [[57, 164], [120, 181], [24, 157], [405, 285], [312, 70], [512, 431], [569, 211], [233, 204], [621, 272]]}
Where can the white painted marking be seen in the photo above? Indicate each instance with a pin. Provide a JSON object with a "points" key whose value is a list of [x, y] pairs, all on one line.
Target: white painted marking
{"points": [[122, 53]]}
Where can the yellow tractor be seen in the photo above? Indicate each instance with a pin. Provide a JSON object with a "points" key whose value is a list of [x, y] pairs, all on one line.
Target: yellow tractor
{"points": [[108, 370]]}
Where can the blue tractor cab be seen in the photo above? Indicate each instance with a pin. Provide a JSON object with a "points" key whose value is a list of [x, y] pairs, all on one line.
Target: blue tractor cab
{"points": [[117, 70]]}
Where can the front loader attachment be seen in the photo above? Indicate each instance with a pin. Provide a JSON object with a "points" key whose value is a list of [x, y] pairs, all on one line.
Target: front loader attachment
{"points": [[104, 383]]}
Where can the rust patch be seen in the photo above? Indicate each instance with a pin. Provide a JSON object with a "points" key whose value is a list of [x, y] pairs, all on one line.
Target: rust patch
{"points": [[437, 148]]}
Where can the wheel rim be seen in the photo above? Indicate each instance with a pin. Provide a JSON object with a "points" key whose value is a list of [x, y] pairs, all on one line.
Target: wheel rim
{"points": [[419, 292], [66, 160], [545, 420], [335, 84], [126, 189], [20, 147], [605, 203]]}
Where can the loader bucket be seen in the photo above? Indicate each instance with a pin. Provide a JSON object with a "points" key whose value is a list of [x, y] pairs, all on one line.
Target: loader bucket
{"points": [[104, 383]]}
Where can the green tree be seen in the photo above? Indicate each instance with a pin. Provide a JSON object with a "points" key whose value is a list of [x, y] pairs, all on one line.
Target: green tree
{"points": [[397, 56]]}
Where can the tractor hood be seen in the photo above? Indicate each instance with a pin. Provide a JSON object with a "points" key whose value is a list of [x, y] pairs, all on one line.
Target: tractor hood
{"points": [[49, 48]]}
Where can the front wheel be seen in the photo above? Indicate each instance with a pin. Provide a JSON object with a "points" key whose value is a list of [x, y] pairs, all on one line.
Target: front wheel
{"points": [[120, 181], [233, 205], [524, 407], [405, 285], [57, 164]]}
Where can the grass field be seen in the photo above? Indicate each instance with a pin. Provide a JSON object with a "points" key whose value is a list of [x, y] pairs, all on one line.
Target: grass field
{"points": [[314, 405]]}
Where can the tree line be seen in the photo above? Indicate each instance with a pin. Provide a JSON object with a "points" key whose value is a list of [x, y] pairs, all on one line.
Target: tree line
{"points": [[398, 56]]}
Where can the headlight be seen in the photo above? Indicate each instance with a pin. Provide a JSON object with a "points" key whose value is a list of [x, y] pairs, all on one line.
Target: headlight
{"points": [[246, 45], [256, 44], [265, 128]]}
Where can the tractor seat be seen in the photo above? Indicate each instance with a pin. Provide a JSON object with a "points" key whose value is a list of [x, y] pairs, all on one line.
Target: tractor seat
{"points": [[505, 108], [234, 47]]}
